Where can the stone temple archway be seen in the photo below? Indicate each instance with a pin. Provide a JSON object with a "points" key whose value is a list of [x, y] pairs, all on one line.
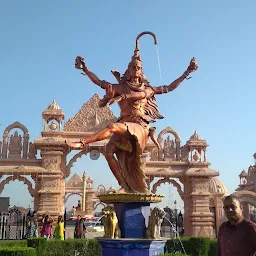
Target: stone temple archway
{"points": [[31, 190], [170, 181], [50, 169], [246, 196]]}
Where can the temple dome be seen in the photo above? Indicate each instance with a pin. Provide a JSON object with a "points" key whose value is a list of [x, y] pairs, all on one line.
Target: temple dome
{"points": [[54, 106], [195, 136], [243, 174], [217, 186]]}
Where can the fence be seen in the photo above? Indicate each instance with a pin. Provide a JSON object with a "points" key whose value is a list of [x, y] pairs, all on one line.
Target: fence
{"points": [[12, 225]]}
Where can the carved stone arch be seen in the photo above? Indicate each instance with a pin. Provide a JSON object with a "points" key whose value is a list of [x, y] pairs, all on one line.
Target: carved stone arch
{"points": [[101, 189], [168, 180], [99, 203], [7, 130], [31, 190], [160, 141], [79, 155], [74, 159], [246, 196], [71, 194], [17, 125]]}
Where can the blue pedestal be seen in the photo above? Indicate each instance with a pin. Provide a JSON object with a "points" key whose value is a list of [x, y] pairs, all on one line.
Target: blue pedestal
{"points": [[131, 247], [132, 219]]}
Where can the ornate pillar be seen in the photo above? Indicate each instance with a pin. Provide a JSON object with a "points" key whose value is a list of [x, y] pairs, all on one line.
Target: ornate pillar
{"points": [[197, 215], [187, 206], [51, 183], [177, 142], [84, 192], [89, 205], [219, 212], [5, 145], [25, 146]]}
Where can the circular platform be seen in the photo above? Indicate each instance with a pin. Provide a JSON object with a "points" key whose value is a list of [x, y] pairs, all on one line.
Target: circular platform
{"points": [[130, 198]]}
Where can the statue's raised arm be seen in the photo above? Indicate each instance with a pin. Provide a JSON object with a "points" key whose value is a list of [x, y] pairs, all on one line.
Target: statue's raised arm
{"points": [[80, 64], [168, 88]]}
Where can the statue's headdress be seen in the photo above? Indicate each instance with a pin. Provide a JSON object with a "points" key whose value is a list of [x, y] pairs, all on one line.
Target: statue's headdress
{"points": [[136, 56]]}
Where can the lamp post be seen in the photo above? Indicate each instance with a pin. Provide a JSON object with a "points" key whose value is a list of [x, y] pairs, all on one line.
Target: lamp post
{"points": [[175, 210], [180, 223]]}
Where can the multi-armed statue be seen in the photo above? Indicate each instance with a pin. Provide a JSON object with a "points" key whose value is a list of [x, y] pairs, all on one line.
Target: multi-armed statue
{"points": [[129, 135]]}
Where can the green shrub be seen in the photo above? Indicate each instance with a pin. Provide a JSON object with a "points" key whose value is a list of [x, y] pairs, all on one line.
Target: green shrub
{"points": [[172, 254], [17, 251], [11, 243], [176, 245], [199, 246], [213, 248], [39, 243], [85, 247]]}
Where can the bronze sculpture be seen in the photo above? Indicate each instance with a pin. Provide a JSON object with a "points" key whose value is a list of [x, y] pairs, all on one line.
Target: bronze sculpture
{"points": [[129, 135]]}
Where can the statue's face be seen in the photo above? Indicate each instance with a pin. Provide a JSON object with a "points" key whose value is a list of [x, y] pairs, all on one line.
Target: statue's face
{"points": [[135, 69]]}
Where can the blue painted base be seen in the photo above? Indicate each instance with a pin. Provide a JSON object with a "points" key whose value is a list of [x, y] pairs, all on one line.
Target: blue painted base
{"points": [[131, 247], [132, 219]]}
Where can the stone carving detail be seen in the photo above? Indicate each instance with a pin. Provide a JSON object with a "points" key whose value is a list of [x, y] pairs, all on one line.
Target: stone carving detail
{"points": [[74, 181], [51, 163], [184, 153], [74, 159], [251, 178], [31, 190], [203, 233], [1, 149], [91, 118], [201, 186], [154, 154], [154, 223], [101, 190], [169, 149], [49, 183], [173, 182], [15, 145], [32, 151]]}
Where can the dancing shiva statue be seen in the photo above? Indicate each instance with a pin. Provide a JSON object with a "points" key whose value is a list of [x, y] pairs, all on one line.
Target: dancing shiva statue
{"points": [[129, 135]]}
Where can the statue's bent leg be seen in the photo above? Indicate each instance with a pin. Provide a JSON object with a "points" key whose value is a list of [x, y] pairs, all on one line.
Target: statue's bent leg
{"points": [[112, 162], [118, 128]]}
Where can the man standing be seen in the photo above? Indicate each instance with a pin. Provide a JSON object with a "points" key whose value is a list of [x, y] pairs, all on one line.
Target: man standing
{"points": [[237, 236]]}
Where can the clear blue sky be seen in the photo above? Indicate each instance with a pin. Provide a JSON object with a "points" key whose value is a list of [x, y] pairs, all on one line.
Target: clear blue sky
{"points": [[40, 40]]}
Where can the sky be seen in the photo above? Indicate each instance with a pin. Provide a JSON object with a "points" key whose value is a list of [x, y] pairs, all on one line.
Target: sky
{"points": [[40, 40]]}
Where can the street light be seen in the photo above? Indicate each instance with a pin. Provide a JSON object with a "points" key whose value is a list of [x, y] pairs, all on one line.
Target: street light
{"points": [[176, 215]]}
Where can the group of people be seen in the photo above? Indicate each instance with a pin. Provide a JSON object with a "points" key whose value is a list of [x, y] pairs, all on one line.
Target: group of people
{"points": [[80, 230], [46, 231]]}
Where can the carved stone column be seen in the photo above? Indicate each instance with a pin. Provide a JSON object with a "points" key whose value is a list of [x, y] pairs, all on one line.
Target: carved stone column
{"points": [[177, 142], [220, 215], [198, 218], [89, 206], [5, 145], [25, 145], [51, 188]]}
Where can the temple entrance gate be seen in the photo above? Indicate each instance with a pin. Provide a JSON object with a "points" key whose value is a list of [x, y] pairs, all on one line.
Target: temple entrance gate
{"points": [[186, 163]]}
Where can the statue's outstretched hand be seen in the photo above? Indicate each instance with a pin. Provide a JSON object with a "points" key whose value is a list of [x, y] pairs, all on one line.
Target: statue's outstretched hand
{"points": [[110, 92], [192, 65], [80, 64]]}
